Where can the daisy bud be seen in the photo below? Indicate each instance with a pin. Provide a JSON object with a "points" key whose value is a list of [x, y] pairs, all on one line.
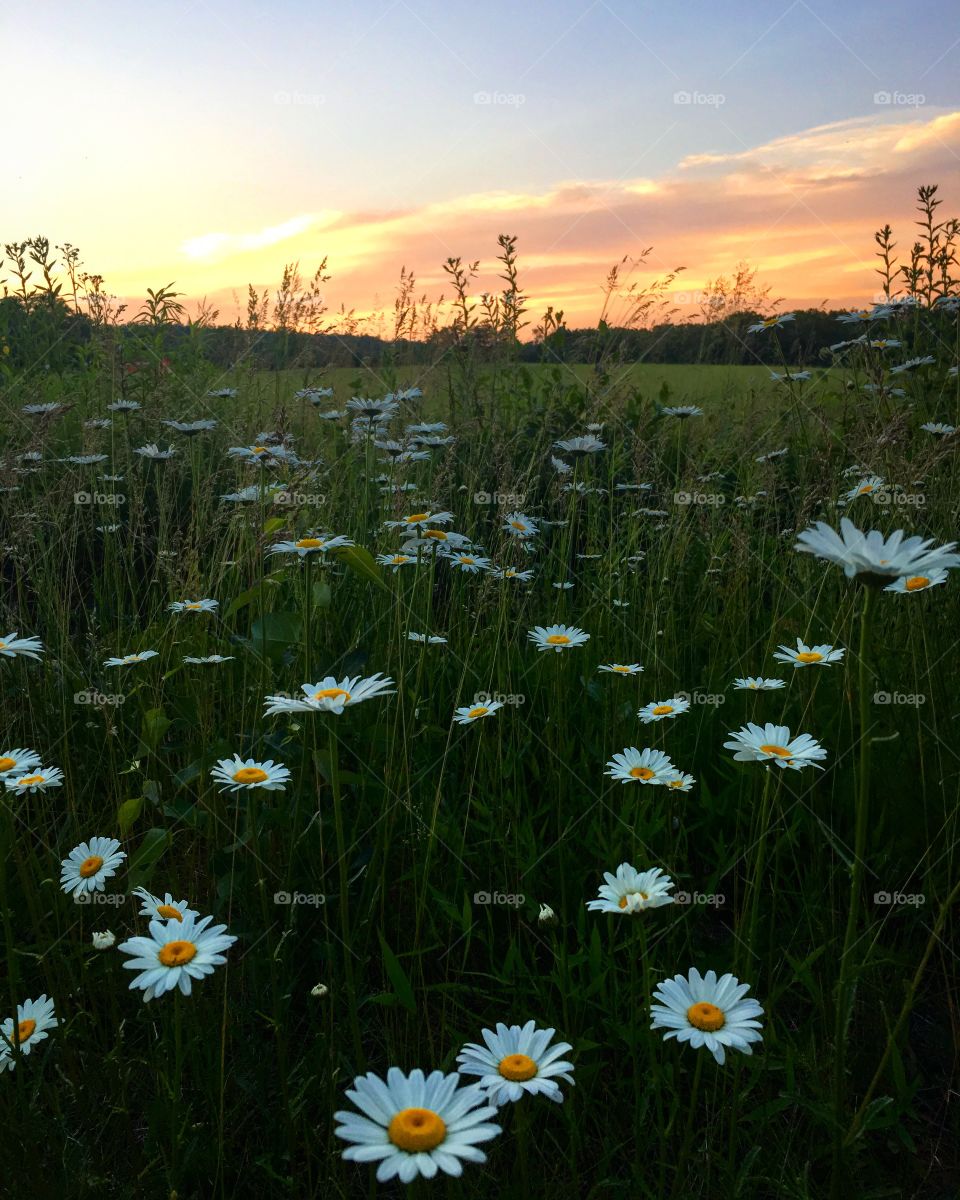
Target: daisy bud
{"points": [[320, 991], [104, 940], [547, 915]]}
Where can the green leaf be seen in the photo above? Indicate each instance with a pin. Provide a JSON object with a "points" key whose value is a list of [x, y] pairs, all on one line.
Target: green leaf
{"points": [[277, 627], [397, 976], [128, 812], [273, 524], [154, 725], [146, 856], [363, 563]]}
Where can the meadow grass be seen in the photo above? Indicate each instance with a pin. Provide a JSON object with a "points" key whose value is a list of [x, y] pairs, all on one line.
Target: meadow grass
{"points": [[404, 865]]}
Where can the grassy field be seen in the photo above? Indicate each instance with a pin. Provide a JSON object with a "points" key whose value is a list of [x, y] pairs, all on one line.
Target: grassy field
{"points": [[386, 900]]}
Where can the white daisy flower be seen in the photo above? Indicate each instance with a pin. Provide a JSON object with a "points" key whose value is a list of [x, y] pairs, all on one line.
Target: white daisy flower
{"points": [[420, 520], [620, 668], [682, 411], [190, 428], [128, 660], [312, 544], [182, 606], [428, 639], [379, 410], [559, 466], [175, 954], [770, 323], [873, 557], [152, 450], [512, 573], [18, 762], [124, 406], [579, 447], [557, 637], [516, 1061], [757, 683], [705, 1011], [39, 410], [866, 487], [913, 583], [243, 774], [87, 867], [470, 713], [37, 779], [659, 710], [103, 940], [222, 393], [938, 428], [162, 908], [416, 1124], [680, 782], [331, 695], [34, 1019], [519, 525], [808, 656], [17, 647], [641, 766], [396, 561], [85, 460], [208, 659], [631, 891], [774, 744], [471, 564]]}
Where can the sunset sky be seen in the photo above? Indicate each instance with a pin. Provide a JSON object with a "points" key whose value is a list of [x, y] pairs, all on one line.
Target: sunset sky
{"points": [[209, 143]]}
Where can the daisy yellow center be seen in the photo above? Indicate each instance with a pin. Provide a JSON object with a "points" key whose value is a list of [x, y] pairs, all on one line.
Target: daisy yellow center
{"points": [[399, 558], [778, 751], [867, 487], [478, 712], [641, 773], [624, 900], [333, 693], [706, 1016], [7, 764], [193, 604], [309, 543], [809, 656], [465, 558], [558, 639], [3, 645], [177, 954], [916, 584], [518, 525], [90, 866], [661, 710], [412, 520], [30, 780], [416, 1130], [250, 775], [168, 912], [517, 1067], [676, 783], [771, 320], [25, 1030], [435, 533], [259, 450], [622, 670]]}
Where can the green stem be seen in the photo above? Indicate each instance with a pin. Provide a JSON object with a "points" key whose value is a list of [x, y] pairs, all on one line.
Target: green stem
{"points": [[352, 999]]}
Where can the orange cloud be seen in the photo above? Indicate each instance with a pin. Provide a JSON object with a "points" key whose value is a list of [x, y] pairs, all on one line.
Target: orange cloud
{"points": [[802, 208]]}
